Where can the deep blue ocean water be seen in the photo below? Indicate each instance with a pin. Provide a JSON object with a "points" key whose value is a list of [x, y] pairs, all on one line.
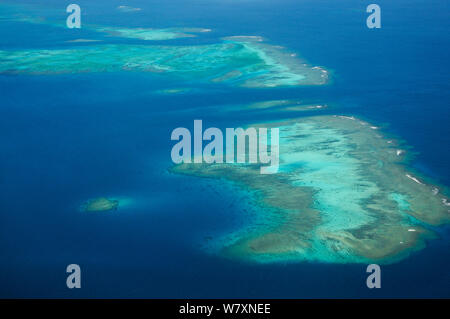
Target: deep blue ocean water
{"points": [[68, 138]]}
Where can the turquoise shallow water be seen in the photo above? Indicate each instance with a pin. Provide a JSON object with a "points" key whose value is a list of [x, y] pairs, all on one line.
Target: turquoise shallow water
{"points": [[233, 62], [331, 202], [67, 138]]}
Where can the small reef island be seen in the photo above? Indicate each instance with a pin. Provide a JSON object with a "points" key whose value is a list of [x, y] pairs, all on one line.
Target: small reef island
{"points": [[100, 204], [245, 61]]}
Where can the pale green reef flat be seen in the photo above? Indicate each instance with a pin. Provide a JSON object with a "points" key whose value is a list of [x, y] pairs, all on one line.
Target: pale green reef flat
{"points": [[283, 106], [342, 195], [100, 204], [174, 91], [241, 62]]}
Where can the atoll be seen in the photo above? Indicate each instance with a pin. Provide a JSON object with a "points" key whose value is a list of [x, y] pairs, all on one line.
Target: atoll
{"points": [[100, 204], [341, 195]]}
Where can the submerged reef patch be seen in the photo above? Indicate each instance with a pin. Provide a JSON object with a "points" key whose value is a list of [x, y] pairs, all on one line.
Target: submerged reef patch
{"points": [[174, 91], [100, 204], [239, 60], [128, 9], [342, 195], [150, 34]]}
